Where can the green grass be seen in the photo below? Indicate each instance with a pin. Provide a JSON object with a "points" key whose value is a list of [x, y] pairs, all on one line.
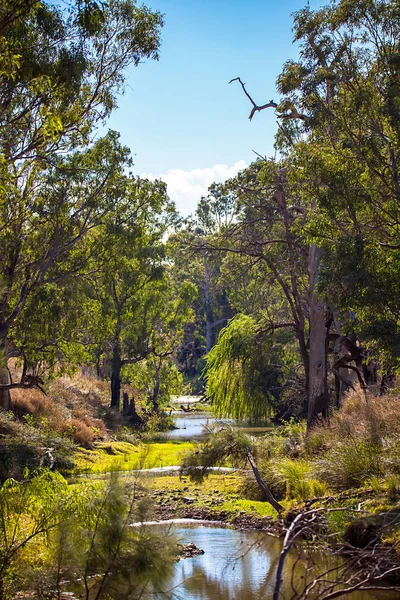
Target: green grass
{"points": [[227, 488], [123, 456], [251, 507]]}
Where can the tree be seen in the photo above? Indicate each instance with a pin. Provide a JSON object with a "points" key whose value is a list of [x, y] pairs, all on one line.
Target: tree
{"points": [[243, 372], [60, 83], [340, 109], [269, 232], [129, 260], [356, 171], [165, 312]]}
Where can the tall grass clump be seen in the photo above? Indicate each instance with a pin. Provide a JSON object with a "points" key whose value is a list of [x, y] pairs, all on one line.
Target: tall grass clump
{"points": [[350, 463], [361, 442]]}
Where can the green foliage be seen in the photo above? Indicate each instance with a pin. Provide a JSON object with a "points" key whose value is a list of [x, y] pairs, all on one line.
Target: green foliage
{"points": [[23, 446], [296, 478], [241, 381], [55, 538], [65, 68], [223, 445]]}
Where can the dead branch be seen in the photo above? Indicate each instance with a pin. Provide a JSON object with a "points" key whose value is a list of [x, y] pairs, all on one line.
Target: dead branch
{"points": [[265, 489], [293, 114]]}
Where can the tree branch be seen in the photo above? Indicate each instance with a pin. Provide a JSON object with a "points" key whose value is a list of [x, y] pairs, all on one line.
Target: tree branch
{"points": [[293, 114]]}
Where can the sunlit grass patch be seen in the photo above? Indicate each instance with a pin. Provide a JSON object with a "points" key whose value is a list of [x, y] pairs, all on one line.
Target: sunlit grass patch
{"points": [[123, 456], [251, 507]]}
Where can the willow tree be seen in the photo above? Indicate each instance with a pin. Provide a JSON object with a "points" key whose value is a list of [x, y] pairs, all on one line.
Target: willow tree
{"points": [[244, 372]]}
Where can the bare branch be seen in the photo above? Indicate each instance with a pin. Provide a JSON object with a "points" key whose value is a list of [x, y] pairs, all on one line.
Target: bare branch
{"points": [[293, 114]]}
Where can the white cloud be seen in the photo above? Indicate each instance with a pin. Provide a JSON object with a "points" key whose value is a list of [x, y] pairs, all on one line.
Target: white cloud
{"points": [[187, 187]]}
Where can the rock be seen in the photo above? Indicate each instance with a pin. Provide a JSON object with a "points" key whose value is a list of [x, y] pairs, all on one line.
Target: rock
{"points": [[188, 500], [189, 550]]}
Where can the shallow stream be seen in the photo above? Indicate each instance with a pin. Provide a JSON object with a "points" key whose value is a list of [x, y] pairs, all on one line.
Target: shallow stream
{"points": [[238, 565], [191, 425]]}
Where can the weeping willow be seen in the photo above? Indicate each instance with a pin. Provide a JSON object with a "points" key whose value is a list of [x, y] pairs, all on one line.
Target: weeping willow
{"points": [[241, 381]]}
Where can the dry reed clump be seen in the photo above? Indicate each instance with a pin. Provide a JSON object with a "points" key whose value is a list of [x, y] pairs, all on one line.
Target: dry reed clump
{"points": [[98, 426], [367, 417], [80, 432], [42, 408], [360, 443]]}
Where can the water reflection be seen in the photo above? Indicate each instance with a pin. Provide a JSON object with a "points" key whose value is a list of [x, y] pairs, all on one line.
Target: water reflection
{"points": [[191, 425], [237, 566]]}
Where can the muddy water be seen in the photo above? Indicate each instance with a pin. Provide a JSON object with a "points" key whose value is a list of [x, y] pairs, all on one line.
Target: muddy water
{"points": [[237, 565]]}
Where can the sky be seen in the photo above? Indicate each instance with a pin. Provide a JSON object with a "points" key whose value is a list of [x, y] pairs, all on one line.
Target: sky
{"points": [[182, 120]]}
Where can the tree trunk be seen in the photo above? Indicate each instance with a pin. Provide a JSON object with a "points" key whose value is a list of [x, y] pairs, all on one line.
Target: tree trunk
{"points": [[318, 397], [157, 386], [116, 376], [208, 309], [5, 396], [264, 488], [209, 323]]}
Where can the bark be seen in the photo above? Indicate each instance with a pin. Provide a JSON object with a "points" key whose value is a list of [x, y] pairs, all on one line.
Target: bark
{"points": [[318, 397], [5, 396], [125, 403], [208, 309], [129, 409], [116, 376], [157, 386]]}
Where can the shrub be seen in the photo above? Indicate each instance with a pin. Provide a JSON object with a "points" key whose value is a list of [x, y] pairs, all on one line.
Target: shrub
{"points": [[80, 433], [55, 540], [350, 463], [294, 479]]}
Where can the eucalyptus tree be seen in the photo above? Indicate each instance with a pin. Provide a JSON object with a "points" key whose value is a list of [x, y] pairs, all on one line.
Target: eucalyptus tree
{"points": [[356, 170], [61, 73], [165, 313], [62, 69], [214, 213], [266, 251], [139, 309], [338, 120], [44, 239], [195, 259]]}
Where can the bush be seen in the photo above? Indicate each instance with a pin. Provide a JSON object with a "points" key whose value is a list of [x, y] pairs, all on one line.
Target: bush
{"points": [[350, 463], [55, 540], [80, 433], [293, 479]]}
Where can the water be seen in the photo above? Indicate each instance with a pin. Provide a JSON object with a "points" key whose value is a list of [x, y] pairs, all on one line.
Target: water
{"points": [[237, 565], [191, 425]]}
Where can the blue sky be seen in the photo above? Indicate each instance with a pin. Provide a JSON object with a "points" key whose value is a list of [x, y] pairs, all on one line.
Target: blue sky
{"points": [[180, 117]]}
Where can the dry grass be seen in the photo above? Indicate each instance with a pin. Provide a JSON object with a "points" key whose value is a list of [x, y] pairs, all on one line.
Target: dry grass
{"points": [[372, 417], [75, 407], [361, 442]]}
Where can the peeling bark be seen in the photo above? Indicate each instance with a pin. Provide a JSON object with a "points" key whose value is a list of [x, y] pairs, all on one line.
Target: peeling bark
{"points": [[318, 397]]}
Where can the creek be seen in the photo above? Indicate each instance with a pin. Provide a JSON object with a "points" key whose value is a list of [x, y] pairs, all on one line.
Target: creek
{"points": [[191, 425], [238, 565]]}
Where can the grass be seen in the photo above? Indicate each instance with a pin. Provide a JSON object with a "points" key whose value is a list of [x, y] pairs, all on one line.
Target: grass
{"points": [[219, 493], [124, 456], [251, 507]]}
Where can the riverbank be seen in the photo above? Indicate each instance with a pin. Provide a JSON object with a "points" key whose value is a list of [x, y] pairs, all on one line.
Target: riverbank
{"points": [[338, 487]]}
